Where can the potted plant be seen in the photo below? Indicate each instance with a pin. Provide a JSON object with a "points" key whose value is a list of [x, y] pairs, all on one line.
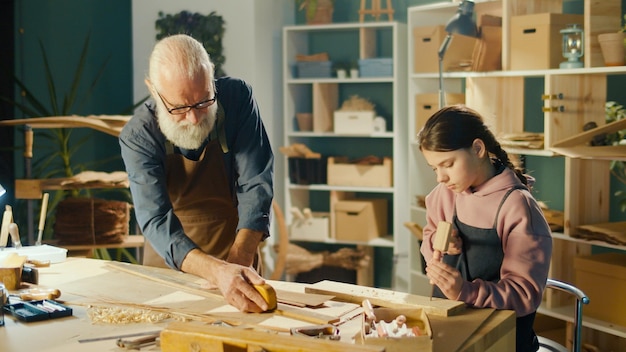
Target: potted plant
{"points": [[613, 46], [207, 29], [317, 11]]}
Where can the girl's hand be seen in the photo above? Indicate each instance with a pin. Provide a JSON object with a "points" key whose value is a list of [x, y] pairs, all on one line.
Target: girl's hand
{"points": [[455, 245], [446, 277]]}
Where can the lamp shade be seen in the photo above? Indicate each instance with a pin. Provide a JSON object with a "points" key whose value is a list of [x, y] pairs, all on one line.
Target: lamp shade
{"points": [[463, 21], [2, 191]]}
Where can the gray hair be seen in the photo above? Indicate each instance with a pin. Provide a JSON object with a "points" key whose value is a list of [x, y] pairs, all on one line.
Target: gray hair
{"points": [[179, 56]]}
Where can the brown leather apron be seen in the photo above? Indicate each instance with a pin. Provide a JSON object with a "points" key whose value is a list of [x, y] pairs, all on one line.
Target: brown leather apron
{"points": [[202, 201]]}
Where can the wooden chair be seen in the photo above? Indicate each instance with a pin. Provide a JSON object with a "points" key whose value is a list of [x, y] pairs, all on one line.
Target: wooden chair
{"points": [[547, 345]]}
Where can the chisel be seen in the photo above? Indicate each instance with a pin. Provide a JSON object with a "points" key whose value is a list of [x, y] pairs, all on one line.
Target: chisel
{"points": [[42, 218]]}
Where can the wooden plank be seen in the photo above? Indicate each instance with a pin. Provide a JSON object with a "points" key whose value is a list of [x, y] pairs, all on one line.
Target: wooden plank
{"points": [[464, 327], [325, 102], [583, 101], [386, 298], [109, 124], [193, 284], [201, 337]]}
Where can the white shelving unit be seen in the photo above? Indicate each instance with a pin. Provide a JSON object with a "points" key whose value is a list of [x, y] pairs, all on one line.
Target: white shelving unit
{"points": [[499, 97], [350, 42]]}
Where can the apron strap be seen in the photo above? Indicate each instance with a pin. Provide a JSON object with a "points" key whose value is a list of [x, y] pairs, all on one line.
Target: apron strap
{"points": [[219, 131]]}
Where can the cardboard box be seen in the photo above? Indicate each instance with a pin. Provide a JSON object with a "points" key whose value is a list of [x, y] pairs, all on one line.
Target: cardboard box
{"points": [[316, 228], [488, 50], [428, 40], [536, 40], [354, 122], [414, 318], [602, 277], [428, 103], [360, 219], [343, 173]]}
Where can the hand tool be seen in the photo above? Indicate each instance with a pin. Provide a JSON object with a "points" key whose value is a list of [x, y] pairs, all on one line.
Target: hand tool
{"points": [[7, 218], [326, 331], [269, 295], [15, 235], [370, 317], [441, 242], [38, 293], [30, 275], [136, 344], [42, 218]]}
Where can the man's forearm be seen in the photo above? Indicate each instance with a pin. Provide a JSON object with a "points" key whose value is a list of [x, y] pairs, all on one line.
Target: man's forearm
{"points": [[245, 247], [203, 265]]}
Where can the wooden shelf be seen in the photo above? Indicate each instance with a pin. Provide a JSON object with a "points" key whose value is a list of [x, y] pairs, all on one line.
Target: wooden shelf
{"points": [[131, 241]]}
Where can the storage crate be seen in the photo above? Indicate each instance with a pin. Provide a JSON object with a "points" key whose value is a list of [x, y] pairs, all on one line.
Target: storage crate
{"points": [[376, 67], [426, 44], [353, 122], [343, 173], [602, 277], [316, 228], [536, 40], [360, 219], [314, 69]]}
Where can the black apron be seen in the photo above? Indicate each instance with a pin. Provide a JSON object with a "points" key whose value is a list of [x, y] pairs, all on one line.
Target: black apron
{"points": [[481, 258]]}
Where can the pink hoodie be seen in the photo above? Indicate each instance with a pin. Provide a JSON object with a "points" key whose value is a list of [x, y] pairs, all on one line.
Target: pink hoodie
{"points": [[523, 230]]}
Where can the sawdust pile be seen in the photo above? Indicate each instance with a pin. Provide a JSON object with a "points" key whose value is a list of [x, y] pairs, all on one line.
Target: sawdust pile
{"points": [[121, 315]]}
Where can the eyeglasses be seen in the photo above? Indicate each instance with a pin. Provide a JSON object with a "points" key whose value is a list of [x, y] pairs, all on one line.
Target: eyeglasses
{"points": [[185, 109]]}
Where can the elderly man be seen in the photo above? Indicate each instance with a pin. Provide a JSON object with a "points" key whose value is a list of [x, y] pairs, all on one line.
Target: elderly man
{"points": [[200, 168]]}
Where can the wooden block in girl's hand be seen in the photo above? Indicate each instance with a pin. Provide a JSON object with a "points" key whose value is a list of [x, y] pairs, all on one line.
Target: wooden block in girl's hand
{"points": [[442, 236]]}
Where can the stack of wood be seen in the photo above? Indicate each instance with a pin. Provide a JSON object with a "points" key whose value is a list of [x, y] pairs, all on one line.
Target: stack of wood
{"points": [[527, 140], [91, 221], [610, 232]]}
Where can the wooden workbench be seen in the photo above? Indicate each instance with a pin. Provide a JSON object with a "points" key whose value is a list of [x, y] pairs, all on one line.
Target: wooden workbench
{"points": [[84, 282]]}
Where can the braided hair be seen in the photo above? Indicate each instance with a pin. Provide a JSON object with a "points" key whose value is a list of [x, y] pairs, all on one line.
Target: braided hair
{"points": [[456, 127]]}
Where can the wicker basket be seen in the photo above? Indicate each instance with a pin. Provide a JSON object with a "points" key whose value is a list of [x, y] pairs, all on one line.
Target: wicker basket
{"points": [[91, 221]]}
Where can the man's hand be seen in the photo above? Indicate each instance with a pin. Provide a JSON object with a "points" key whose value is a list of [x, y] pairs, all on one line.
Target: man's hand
{"points": [[236, 284], [234, 281]]}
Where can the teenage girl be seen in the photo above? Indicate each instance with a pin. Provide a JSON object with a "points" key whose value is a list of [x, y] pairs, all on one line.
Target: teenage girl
{"points": [[501, 244]]}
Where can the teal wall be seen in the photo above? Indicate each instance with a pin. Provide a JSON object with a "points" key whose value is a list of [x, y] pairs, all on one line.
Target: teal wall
{"points": [[62, 26]]}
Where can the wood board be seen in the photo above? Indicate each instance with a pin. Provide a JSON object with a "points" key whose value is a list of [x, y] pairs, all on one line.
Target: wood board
{"points": [[109, 124], [182, 336], [386, 298], [193, 284]]}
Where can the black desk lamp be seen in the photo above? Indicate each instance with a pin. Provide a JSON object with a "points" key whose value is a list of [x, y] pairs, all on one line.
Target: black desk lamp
{"points": [[461, 23]]}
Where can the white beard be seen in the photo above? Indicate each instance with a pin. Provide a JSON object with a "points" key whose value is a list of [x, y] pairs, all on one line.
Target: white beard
{"points": [[183, 134]]}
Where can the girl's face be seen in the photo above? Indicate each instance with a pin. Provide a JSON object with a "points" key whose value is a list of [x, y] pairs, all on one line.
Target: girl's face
{"points": [[460, 169]]}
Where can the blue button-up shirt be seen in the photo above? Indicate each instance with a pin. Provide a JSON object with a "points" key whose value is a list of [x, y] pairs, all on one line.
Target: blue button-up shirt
{"points": [[249, 165]]}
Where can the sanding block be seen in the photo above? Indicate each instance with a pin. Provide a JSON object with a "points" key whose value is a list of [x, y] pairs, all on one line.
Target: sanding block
{"points": [[269, 295]]}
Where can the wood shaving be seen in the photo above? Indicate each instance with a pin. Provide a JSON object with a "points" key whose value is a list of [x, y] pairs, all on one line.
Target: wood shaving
{"points": [[119, 315]]}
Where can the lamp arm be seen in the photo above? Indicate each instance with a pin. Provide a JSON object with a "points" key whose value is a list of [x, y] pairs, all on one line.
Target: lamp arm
{"points": [[442, 52]]}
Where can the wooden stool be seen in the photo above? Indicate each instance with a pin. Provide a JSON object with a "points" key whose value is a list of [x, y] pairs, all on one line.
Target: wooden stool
{"points": [[375, 11]]}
